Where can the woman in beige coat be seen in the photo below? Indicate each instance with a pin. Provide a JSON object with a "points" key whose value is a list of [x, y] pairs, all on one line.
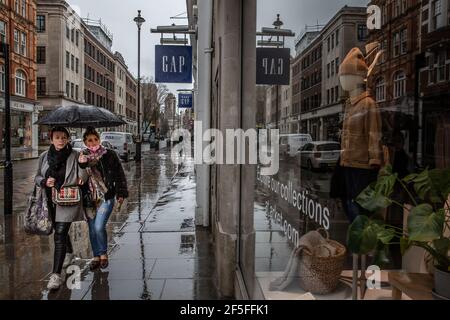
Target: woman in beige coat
{"points": [[58, 168]]}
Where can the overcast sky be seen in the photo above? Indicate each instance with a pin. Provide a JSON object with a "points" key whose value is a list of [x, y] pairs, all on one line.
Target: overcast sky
{"points": [[118, 16]]}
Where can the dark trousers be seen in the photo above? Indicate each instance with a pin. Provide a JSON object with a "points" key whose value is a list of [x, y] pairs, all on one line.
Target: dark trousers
{"points": [[355, 180], [61, 237]]}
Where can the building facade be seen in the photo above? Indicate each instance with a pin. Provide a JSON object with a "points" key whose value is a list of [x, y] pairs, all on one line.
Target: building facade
{"points": [[434, 83], [394, 80], [60, 58], [131, 109], [17, 28], [99, 66], [121, 85]]}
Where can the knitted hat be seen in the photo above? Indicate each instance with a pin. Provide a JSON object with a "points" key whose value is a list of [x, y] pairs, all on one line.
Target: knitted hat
{"points": [[354, 64]]}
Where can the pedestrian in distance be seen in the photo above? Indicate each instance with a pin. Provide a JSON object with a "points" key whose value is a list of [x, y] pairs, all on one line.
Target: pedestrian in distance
{"points": [[59, 173], [106, 183]]}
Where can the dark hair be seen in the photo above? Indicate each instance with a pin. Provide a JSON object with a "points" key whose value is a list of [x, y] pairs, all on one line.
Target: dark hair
{"points": [[59, 129], [90, 131]]}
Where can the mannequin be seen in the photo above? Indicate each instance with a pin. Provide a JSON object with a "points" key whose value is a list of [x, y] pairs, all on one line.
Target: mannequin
{"points": [[361, 154]]}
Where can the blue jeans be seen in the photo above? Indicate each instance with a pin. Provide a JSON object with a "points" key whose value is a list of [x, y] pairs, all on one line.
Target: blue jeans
{"points": [[97, 228]]}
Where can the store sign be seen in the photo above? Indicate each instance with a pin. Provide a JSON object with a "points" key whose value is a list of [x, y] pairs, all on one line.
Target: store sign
{"points": [[273, 66], [173, 64], [185, 101]]}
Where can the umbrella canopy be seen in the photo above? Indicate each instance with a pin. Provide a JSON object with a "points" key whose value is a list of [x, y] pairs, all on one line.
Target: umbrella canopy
{"points": [[81, 117]]}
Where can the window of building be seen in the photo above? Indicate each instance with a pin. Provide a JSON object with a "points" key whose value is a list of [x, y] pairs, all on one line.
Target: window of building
{"points": [[67, 88], [337, 37], [404, 41], [399, 84], [337, 65], [3, 31], [332, 41], [76, 92], [336, 93], [437, 11], [72, 35], [441, 67], [77, 37], [362, 32], [329, 45], [17, 6], [2, 78], [77, 65], [332, 67], [72, 90], [328, 96], [23, 43], [24, 8], [16, 41], [380, 90], [40, 54], [41, 86], [396, 44], [40, 23], [21, 81], [328, 70], [67, 32], [72, 62], [67, 59]]}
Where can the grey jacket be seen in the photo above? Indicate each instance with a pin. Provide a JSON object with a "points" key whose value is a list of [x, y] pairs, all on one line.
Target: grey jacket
{"points": [[73, 171]]}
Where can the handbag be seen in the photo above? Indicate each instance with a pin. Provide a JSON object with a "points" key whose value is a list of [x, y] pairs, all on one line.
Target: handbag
{"points": [[37, 218], [67, 196]]}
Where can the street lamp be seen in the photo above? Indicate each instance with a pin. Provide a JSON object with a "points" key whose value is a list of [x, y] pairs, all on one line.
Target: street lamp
{"points": [[139, 22], [8, 175]]}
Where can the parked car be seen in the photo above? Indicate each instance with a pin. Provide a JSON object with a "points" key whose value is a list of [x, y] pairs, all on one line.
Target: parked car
{"points": [[122, 142], [78, 145], [319, 154], [291, 143]]}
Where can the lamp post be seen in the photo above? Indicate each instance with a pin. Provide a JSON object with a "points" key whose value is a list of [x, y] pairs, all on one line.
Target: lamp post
{"points": [[8, 175], [139, 22]]}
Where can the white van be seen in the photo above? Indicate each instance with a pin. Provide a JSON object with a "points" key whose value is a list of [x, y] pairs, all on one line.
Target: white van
{"points": [[291, 143], [122, 143]]}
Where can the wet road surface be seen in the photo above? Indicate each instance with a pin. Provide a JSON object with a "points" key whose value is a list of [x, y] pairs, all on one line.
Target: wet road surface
{"points": [[156, 252]]}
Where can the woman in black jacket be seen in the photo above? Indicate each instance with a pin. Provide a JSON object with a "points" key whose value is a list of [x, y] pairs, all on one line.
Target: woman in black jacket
{"points": [[107, 183]]}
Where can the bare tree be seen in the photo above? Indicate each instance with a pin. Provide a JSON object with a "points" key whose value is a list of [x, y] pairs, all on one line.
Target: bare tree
{"points": [[154, 95]]}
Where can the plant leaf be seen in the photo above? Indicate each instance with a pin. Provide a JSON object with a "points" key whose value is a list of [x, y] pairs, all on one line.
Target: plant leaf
{"points": [[385, 184], [382, 256], [422, 184], [362, 235], [385, 235], [442, 246], [424, 225], [405, 244], [410, 178], [372, 201], [440, 180]]}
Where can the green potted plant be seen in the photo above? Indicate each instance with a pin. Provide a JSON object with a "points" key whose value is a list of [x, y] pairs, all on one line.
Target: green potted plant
{"points": [[428, 224]]}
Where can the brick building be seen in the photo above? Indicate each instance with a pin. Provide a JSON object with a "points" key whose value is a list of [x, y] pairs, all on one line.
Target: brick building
{"points": [[17, 28], [131, 103]]}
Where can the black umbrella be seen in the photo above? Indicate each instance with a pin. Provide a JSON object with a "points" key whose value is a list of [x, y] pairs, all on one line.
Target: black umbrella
{"points": [[81, 117]]}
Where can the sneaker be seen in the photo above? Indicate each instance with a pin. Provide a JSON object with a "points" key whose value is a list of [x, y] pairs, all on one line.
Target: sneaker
{"points": [[68, 260], [55, 282]]}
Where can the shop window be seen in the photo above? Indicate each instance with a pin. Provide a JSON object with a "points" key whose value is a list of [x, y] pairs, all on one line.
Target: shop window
{"points": [[399, 84], [40, 23], [21, 81]]}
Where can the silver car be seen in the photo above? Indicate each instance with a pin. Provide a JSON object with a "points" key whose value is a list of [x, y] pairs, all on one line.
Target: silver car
{"points": [[319, 154], [78, 145]]}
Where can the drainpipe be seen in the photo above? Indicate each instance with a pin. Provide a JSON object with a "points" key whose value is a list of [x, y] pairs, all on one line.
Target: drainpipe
{"points": [[205, 11]]}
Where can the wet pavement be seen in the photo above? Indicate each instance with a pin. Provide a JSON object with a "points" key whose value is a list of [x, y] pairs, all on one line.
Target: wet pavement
{"points": [[156, 251]]}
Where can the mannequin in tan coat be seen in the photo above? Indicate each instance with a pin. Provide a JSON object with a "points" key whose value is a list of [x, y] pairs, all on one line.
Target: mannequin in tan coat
{"points": [[361, 154]]}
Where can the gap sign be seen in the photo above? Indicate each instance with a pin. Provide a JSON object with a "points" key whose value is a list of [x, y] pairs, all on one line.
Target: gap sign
{"points": [[185, 100], [273, 66], [173, 64]]}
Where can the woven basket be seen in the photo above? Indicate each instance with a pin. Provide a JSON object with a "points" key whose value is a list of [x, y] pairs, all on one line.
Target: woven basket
{"points": [[320, 275]]}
